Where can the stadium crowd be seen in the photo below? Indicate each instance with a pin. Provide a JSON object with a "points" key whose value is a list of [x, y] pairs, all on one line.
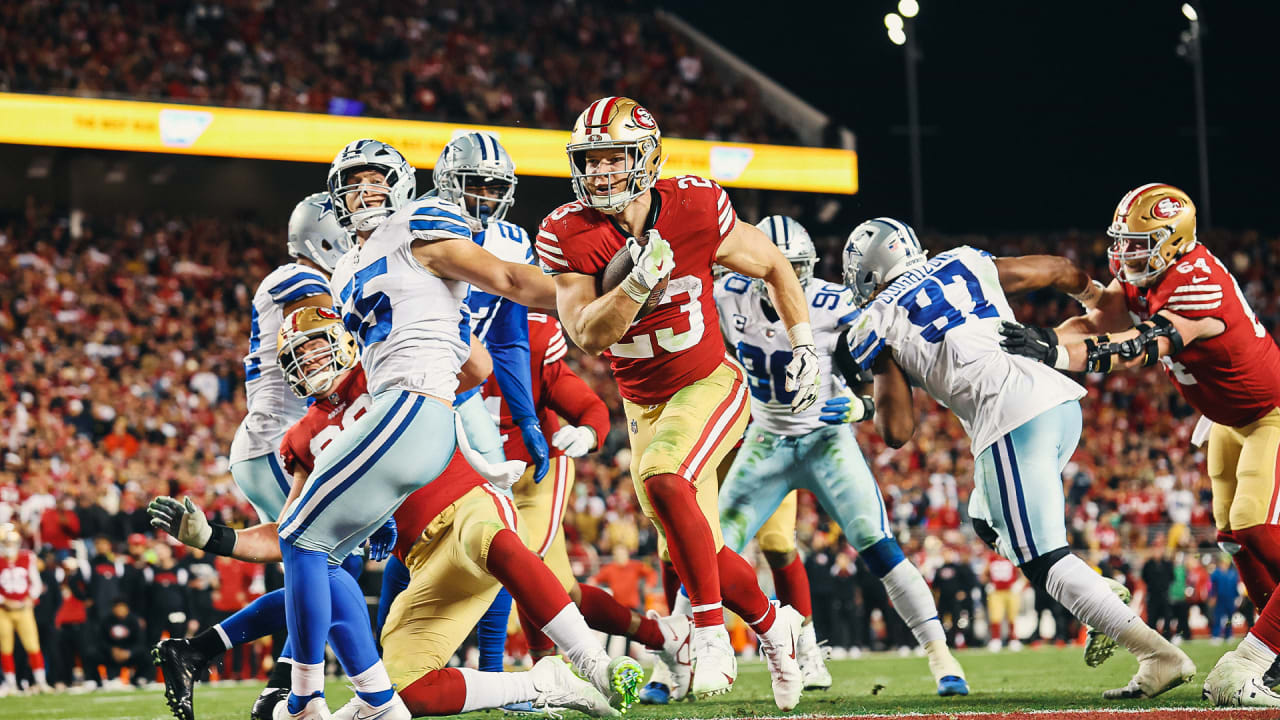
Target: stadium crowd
{"points": [[535, 63], [120, 380]]}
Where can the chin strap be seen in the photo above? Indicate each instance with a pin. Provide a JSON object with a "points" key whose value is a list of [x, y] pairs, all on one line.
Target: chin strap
{"points": [[1100, 351]]}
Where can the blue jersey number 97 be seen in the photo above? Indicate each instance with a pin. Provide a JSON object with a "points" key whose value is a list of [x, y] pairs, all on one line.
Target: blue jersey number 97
{"points": [[945, 299], [768, 373], [368, 315]]}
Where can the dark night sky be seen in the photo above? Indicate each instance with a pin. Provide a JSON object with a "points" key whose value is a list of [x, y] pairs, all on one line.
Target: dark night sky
{"points": [[1041, 115]]}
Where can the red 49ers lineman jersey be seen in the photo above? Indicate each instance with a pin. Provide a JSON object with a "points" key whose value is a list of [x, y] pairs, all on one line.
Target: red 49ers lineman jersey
{"points": [[679, 342], [342, 408], [1232, 378], [557, 390]]}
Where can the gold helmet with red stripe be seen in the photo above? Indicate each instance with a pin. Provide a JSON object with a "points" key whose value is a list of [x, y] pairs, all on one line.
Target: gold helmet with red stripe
{"points": [[615, 123], [311, 367], [1153, 225]]}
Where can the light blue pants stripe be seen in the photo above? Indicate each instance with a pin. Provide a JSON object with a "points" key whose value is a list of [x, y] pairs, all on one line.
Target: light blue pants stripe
{"points": [[1018, 483], [402, 443], [827, 462], [264, 481]]}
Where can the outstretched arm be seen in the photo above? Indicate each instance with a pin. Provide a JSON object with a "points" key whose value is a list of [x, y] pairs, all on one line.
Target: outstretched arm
{"points": [[1104, 305], [1143, 345], [896, 415], [463, 260], [187, 523]]}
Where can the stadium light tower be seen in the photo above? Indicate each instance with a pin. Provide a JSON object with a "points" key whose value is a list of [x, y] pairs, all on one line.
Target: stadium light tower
{"points": [[1191, 50], [896, 24]]}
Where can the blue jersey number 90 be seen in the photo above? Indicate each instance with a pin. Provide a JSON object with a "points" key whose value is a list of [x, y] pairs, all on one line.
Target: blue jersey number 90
{"points": [[768, 373], [369, 314], [945, 299]]}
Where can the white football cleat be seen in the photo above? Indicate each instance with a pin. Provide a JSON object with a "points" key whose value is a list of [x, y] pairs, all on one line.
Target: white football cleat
{"points": [[1163, 670], [558, 687], [715, 666], [813, 663], [677, 651], [1237, 682], [357, 709], [315, 709], [779, 648]]}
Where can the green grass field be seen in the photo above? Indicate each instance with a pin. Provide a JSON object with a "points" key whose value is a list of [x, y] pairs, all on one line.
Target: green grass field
{"points": [[1033, 679]]}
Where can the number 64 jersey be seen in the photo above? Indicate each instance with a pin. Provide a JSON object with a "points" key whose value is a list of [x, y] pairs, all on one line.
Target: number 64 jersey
{"points": [[941, 322]]}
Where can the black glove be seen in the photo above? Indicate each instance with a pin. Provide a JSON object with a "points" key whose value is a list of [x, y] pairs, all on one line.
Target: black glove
{"points": [[1039, 344]]}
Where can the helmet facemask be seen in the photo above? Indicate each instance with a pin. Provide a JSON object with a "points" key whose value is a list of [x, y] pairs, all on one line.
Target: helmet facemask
{"points": [[484, 195], [641, 155], [395, 189], [312, 358]]}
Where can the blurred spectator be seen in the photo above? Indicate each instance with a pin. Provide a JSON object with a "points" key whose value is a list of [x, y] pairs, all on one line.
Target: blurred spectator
{"points": [[1225, 593], [1159, 574], [954, 583], [76, 640], [123, 639], [59, 526], [626, 578]]}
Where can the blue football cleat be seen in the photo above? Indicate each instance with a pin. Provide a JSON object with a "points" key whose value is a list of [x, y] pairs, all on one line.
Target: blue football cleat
{"points": [[656, 693], [523, 708], [952, 685]]}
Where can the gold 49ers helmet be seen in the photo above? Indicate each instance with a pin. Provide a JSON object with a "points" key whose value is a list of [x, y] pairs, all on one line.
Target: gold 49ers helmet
{"points": [[615, 123], [1153, 225], [311, 367]]}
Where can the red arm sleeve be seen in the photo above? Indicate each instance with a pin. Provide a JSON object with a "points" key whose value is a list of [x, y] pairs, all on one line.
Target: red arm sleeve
{"points": [[571, 398]]}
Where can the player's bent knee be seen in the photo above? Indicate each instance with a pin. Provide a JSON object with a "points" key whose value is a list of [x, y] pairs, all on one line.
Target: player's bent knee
{"points": [[778, 559], [883, 557], [777, 543], [1037, 570], [476, 537], [986, 533], [663, 488]]}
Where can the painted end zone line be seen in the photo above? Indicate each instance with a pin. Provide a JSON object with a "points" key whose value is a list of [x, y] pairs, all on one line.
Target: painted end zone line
{"points": [[1166, 713]]}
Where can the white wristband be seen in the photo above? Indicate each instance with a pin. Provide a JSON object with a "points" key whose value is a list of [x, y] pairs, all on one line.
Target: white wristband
{"points": [[1063, 360], [800, 334]]}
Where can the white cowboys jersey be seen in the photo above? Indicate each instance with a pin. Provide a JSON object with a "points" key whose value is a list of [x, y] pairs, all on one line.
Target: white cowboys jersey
{"points": [[407, 320], [758, 338], [941, 321], [506, 241], [272, 406]]}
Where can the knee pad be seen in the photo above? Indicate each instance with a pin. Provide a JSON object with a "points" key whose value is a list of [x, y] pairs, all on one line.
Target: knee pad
{"points": [[1037, 571], [883, 557], [986, 533], [777, 543]]}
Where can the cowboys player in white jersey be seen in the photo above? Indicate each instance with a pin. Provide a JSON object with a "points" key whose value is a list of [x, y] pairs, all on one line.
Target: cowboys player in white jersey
{"points": [[315, 242], [933, 323], [400, 294], [815, 450]]}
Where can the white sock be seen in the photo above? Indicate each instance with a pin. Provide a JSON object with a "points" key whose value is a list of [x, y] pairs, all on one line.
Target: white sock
{"points": [[11, 679], [684, 606], [1086, 595], [40, 676], [372, 680], [569, 631], [496, 689], [1256, 651], [913, 600], [226, 641], [307, 679]]}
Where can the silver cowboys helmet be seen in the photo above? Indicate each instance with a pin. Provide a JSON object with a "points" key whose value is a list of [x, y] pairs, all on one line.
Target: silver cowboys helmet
{"points": [[398, 187], [314, 232], [794, 242], [878, 251], [469, 163]]}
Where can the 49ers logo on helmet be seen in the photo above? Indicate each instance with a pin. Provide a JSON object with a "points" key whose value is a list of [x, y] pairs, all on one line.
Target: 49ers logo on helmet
{"points": [[643, 118], [1167, 208]]}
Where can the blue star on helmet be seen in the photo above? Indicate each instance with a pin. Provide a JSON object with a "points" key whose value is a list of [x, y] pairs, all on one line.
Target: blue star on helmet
{"points": [[326, 207]]}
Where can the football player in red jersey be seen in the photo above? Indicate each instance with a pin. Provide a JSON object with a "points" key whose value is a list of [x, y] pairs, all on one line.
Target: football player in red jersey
{"points": [[686, 401], [1192, 318], [470, 544], [559, 392], [20, 589]]}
